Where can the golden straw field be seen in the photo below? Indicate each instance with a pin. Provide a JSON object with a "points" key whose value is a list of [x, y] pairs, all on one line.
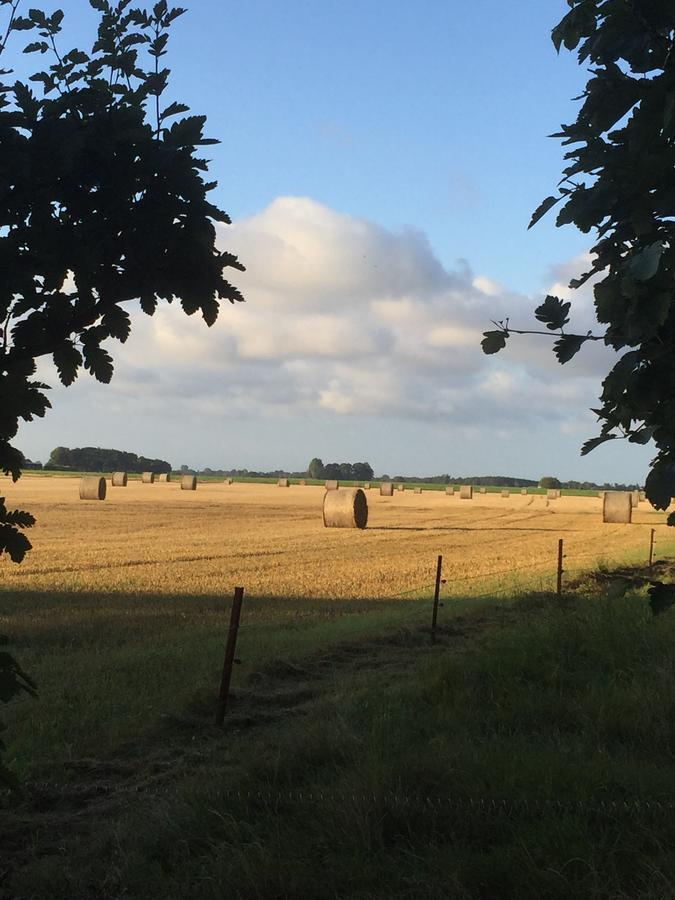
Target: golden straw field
{"points": [[271, 540]]}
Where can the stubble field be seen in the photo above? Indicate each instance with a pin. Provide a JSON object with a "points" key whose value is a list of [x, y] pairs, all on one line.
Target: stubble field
{"points": [[272, 541]]}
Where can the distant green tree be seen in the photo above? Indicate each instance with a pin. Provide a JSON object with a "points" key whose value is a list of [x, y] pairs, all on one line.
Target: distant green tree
{"points": [[315, 468], [548, 481], [618, 183], [363, 472]]}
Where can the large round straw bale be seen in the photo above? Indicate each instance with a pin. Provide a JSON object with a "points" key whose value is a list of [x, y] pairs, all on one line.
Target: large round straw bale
{"points": [[523, 490], [635, 498], [165, 476], [418, 490], [188, 483], [386, 489], [92, 487], [617, 507], [302, 482], [642, 496], [148, 477], [332, 485], [283, 482], [228, 480], [506, 493], [400, 487], [466, 492], [552, 494], [345, 508], [483, 490], [449, 489], [366, 485], [119, 479]]}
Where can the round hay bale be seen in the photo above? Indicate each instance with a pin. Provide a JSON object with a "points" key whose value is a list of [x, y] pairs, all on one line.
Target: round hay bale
{"points": [[302, 482], [418, 490], [283, 482], [148, 477], [188, 483], [617, 507], [523, 490], [228, 481], [400, 487], [506, 493], [366, 485], [482, 490], [119, 479], [332, 485], [642, 496], [386, 489], [552, 494], [92, 487], [345, 508], [466, 492], [635, 498], [449, 489], [165, 477]]}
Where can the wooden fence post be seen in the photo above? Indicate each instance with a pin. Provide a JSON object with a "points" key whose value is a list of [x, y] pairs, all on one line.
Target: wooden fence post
{"points": [[437, 590], [230, 647], [560, 567], [651, 548]]}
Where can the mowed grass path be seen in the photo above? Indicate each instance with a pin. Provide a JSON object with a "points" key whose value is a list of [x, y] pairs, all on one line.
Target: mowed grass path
{"points": [[120, 611]]}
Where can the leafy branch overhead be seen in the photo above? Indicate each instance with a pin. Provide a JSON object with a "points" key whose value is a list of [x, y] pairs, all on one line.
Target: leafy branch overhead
{"points": [[104, 205], [618, 184]]}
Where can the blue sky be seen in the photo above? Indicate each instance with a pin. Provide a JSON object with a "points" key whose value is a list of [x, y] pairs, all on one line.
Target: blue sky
{"points": [[366, 124]]}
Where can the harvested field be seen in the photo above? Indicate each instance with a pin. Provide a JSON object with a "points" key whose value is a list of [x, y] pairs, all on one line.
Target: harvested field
{"points": [[274, 543]]}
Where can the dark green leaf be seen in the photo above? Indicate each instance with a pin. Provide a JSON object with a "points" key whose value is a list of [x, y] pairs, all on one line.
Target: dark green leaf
{"points": [[645, 264], [67, 359], [595, 442], [553, 312], [542, 209], [568, 346], [493, 341], [98, 362], [660, 485]]}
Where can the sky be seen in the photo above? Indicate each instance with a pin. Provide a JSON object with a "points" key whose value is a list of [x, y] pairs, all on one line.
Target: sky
{"points": [[380, 163]]}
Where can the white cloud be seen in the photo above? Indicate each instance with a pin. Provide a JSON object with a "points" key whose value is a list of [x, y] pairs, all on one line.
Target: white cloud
{"points": [[347, 318]]}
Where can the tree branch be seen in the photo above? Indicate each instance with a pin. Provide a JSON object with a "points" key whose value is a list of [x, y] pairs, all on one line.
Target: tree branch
{"points": [[506, 329], [12, 16]]}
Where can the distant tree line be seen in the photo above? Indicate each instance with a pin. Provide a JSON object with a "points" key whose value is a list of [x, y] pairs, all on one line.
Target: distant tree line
{"points": [[101, 459], [97, 459], [360, 471]]}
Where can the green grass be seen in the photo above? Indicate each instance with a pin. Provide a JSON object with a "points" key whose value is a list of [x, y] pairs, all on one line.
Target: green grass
{"points": [[527, 755]]}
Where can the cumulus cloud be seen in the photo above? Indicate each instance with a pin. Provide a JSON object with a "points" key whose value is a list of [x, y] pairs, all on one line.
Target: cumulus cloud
{"points": [[346, 317]]}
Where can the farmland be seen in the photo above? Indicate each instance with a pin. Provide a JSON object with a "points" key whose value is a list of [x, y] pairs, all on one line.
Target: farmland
{"points": [[271, 540], [120, 610], [120, 613]]}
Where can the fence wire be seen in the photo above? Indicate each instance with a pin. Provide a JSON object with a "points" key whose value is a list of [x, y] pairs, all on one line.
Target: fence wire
{"points": [[489, 805]]}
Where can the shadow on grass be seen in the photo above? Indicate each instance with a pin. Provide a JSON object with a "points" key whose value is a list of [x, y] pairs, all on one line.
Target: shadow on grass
{"points": [[527, 755]]}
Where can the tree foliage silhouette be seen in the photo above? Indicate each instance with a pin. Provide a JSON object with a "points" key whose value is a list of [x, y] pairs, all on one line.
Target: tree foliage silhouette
{"points": [[103, 205], [618, 183]]}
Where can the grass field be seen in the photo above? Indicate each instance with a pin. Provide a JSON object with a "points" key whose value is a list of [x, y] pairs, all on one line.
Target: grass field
{"points": [[121, 610]]}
